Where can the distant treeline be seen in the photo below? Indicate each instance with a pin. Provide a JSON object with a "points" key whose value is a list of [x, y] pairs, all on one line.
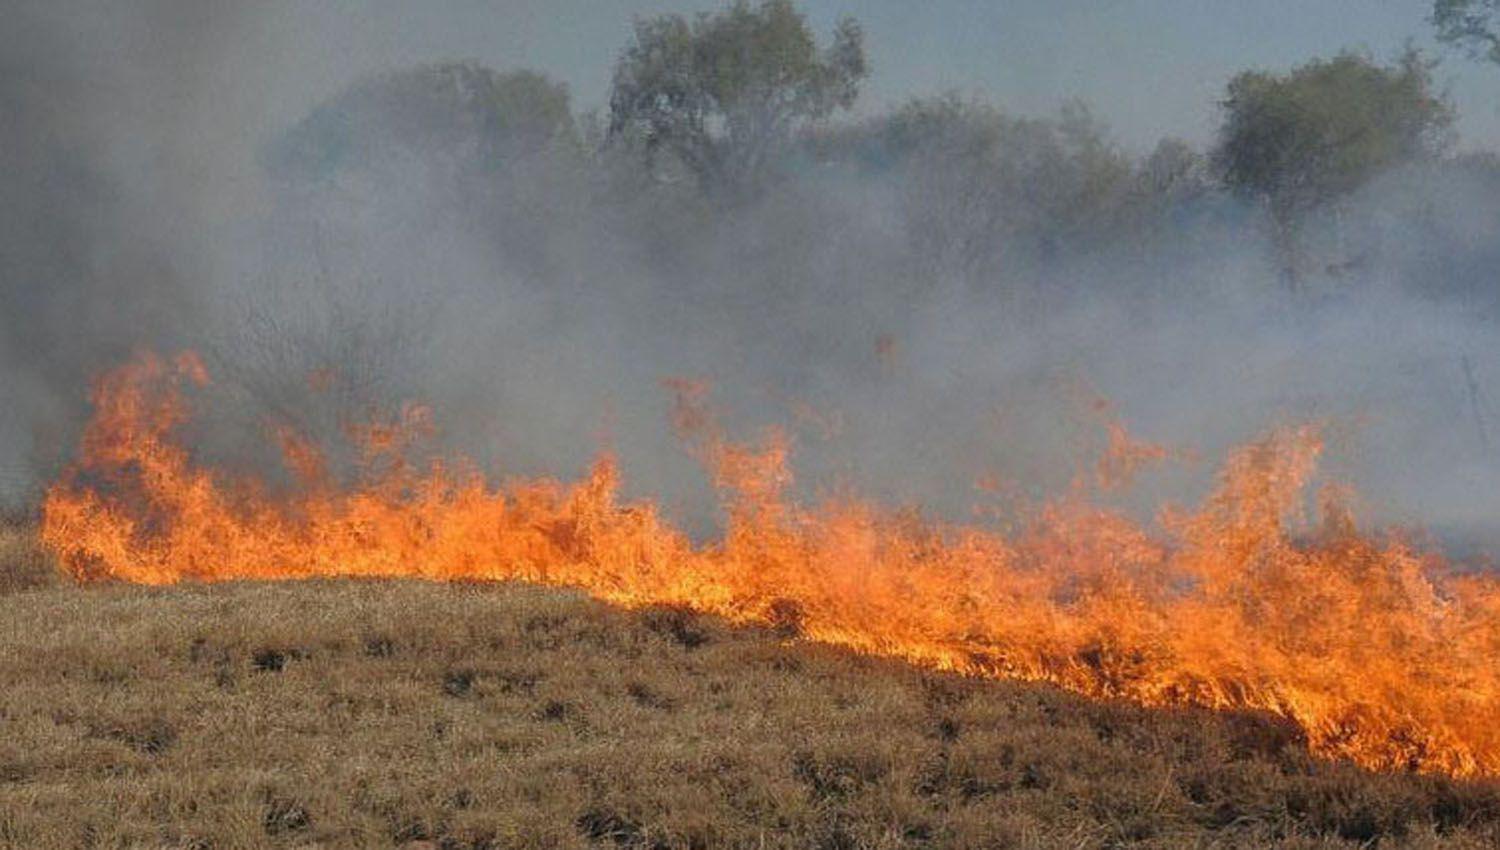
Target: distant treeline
{"points": [[1342, 168]]}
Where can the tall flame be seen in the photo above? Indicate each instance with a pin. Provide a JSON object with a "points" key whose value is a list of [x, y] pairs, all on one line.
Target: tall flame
{"points": [[1381, 654]]}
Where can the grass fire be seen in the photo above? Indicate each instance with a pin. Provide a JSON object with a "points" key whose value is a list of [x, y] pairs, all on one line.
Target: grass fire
{"points": [[1379, 652], [749, 423]]}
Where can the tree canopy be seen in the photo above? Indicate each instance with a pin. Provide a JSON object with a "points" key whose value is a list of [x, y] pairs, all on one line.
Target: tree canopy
{"points": [[1317, 133], [462, 112], [1470, 24], [723, 93]]}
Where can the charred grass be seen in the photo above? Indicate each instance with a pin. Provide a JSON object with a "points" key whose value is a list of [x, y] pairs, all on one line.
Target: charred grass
{"points": [[377, 714]]}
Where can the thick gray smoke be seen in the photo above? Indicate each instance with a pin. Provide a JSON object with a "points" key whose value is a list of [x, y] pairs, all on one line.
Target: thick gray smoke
{"points": [[913, 337], [104, 148]]}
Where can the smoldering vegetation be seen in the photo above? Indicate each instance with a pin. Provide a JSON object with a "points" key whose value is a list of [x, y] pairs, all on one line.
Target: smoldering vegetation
{"points": [[926, 295]]}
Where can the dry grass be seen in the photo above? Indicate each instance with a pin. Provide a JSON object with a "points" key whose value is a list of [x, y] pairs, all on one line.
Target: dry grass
{"points": [[23, 563], [377, 714]]}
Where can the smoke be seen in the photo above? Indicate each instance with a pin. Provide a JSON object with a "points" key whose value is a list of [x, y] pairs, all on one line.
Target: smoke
{"points": [[101, 203], [913, 339]]}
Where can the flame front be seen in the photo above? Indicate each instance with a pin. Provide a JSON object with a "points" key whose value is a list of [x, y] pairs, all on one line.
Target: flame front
{"points": [[1381, 654]]}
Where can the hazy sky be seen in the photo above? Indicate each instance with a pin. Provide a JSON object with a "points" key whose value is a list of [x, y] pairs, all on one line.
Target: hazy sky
{"points": [[1149, 67], [198, 86]]}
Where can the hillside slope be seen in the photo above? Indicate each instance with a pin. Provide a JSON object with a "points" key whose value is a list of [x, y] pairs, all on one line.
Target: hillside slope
{"points": [[369, 714]]}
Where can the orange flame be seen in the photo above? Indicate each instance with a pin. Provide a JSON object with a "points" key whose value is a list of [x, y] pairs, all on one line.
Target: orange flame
{"points": [[1383, 655]]}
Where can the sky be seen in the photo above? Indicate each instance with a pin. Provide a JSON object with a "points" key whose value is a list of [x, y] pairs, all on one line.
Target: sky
{"points": [[1150, 68]]}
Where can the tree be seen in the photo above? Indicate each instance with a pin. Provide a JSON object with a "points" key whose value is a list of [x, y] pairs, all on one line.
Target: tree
{"points": [[461, 114], [723, 94], [1171, 173], [493, 152], [1470, 24], [1304, 140], [375, 188], [986, 194]]}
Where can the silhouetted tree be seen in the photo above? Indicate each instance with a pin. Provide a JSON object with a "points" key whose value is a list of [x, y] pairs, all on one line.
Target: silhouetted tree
{"points": [[724, 93], [1305, 139]]}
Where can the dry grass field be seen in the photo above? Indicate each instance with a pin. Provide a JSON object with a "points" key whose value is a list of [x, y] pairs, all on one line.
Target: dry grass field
{"points": [[23, 565], [420, 715]]}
